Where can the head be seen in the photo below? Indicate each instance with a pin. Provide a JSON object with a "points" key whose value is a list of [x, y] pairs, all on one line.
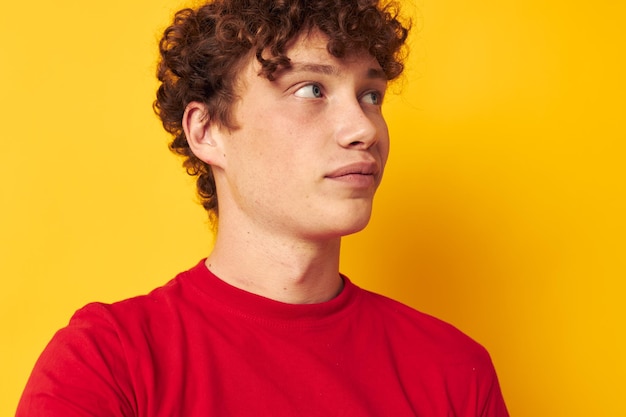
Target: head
{"points": [[204, 51]]}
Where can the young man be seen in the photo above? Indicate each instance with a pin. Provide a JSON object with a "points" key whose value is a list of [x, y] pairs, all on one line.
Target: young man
{"points": [[276, 107]]}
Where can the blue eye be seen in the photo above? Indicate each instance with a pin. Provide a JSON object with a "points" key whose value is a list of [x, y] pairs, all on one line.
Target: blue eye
{"points": [[373, 97], [309, 91]]}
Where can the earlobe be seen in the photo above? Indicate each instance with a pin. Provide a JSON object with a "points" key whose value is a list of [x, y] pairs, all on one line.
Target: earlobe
{"points": [[197, 127]]}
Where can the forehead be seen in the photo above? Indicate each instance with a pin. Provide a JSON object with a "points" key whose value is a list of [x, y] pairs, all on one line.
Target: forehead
{"points": [[313, 46], [308, 53]]}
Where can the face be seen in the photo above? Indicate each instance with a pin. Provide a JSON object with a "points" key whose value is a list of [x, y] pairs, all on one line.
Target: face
{"points": [[310, 148]]}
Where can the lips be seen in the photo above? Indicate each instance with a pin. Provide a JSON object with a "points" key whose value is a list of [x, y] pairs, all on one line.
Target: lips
{"points": [[357, 168]]}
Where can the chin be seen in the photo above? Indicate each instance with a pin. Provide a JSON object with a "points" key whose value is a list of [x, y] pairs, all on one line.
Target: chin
{"points": [[353, 224], [337, 223], [353, 231]]}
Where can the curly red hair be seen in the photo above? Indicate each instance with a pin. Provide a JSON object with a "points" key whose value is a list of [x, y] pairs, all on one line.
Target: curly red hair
{"points": [[204, 49]]}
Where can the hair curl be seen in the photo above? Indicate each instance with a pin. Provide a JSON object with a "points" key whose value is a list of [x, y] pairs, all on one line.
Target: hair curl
{"points": [[204, 49]]}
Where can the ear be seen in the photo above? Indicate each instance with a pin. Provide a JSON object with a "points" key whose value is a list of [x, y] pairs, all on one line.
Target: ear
{"points": [[202, 136]]}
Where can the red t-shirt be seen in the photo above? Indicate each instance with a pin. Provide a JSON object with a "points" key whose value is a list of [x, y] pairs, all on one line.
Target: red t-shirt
{"points": [[200, 347]]}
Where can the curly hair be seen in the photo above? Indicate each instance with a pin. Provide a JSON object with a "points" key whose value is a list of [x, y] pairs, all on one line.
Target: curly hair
{"points": [[204, 49]]}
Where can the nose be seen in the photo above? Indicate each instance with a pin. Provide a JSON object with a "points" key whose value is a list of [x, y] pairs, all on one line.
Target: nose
{"points": [[358, 127]]}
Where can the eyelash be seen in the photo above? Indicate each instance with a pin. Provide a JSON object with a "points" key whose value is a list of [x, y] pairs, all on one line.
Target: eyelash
{"points": [[318, 93], [314, 87], [379, 97]]}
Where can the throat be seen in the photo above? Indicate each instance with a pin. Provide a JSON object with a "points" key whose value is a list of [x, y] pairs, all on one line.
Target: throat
{"points": [[294, 276]]}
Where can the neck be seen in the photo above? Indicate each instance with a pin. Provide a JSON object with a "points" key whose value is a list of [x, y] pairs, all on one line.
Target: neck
{"points": [[282, 269]]}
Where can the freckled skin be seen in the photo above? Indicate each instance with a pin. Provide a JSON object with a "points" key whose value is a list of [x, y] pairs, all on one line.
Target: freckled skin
{"points": [[294, 132]]}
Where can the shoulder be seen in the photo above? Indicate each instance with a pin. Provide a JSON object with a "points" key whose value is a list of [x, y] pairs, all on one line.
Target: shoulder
{"points": [[446, 363], [422, 332], [165, 300], [106, 347], [127, 328]]}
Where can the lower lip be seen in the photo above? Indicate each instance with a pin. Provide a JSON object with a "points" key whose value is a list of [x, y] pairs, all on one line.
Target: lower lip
{"points": [[355, 180]]}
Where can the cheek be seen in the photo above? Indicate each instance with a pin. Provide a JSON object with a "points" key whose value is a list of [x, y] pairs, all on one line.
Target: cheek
{"points": [[264, 161]]}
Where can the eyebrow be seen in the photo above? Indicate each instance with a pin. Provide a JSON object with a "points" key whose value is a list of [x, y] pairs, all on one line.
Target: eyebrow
{"points": [[372, 73]]}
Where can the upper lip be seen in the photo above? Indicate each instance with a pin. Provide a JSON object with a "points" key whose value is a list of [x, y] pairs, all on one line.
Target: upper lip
{"points": [[360, 168]]}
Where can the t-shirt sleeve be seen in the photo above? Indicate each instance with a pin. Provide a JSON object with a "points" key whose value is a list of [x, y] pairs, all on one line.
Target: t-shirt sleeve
{"points": [[493, 403], [82, 372], [472, 388]]}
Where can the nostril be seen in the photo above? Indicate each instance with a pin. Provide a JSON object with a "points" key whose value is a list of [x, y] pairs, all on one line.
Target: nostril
{"points": [[365, 144]]}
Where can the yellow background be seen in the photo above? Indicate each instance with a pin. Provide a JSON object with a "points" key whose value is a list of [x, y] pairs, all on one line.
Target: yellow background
{"points": [[502, 209]]}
